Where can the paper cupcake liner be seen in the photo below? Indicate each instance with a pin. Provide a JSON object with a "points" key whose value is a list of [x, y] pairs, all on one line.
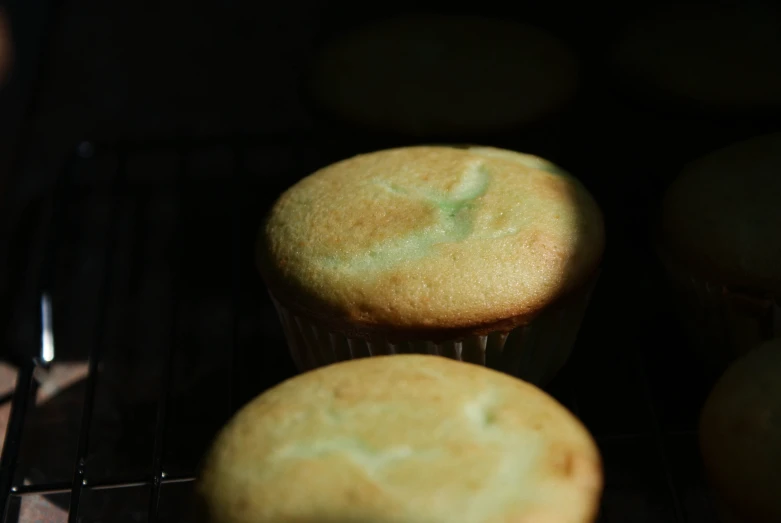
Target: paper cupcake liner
{"points": [[722, 324], [534, 352]]}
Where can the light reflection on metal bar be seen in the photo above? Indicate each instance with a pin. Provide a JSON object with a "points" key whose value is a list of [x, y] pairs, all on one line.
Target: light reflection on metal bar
{"points": [[47, 333], [65, 487]]}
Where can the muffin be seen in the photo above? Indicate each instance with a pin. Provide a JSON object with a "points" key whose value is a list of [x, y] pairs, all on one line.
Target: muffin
{"points": [[740, 437], [405, 439], [715, 55], [476, 253], [442, 75], [719, 242], [686, 78]]}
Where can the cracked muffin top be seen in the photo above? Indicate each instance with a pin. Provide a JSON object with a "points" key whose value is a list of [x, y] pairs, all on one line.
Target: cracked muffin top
{"points": [[431, 238], [402, 439]]}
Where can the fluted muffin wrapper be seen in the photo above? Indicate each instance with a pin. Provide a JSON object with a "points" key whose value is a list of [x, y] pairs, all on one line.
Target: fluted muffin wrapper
{"points": [[722, 324], [534, 352]]}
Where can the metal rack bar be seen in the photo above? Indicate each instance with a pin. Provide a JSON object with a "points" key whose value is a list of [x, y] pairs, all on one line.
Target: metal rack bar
{"points": [[659, 440], [161, 422], [23, 392], [64, 487], [26, 384], [96, 349]]}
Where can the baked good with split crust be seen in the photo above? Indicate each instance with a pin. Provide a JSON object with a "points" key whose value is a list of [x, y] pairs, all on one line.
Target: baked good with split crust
{"points": [[476, 253], [402, 439]]}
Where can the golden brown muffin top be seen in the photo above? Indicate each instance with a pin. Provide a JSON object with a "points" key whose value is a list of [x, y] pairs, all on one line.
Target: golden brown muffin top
{"points": [[720, 54], [436, 75], [431, 238], [740, 435], [722, 215], [402, 439]]}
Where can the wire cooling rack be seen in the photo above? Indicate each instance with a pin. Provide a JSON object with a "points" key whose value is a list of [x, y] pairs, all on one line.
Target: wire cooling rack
{"points": [[146, 272]]}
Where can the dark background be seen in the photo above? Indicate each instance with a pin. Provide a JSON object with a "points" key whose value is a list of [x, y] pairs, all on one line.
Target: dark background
{"points": [[141, 143]]}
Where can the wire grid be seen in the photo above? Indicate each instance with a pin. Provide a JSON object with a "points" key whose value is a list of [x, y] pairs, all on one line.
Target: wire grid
{"points": [[27, 384]]}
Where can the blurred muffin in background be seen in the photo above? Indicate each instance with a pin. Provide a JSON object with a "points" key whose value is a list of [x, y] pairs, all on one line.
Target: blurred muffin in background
{"points": [[683, 79], [714, 55], [443, 76], [740, 437], [476, 253], [413, 439], [720, 241]]}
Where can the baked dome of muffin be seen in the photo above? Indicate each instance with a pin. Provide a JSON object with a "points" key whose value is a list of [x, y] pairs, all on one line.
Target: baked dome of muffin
{"points": [[423, 238], [740, 436], [407, 439], [437, 75], [712, 54], [722, 216]]}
